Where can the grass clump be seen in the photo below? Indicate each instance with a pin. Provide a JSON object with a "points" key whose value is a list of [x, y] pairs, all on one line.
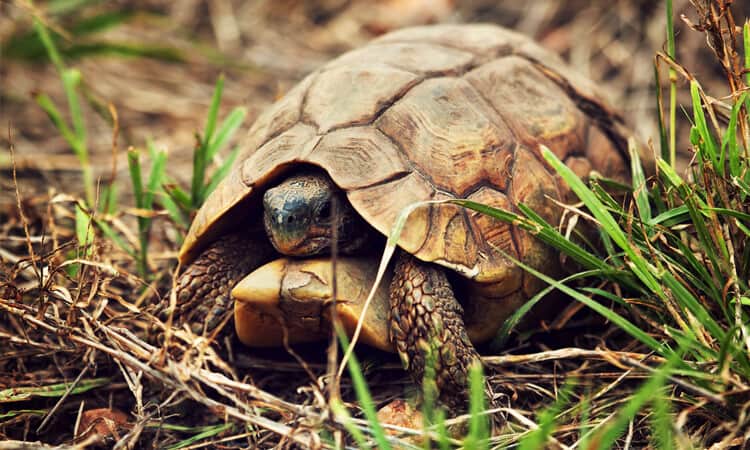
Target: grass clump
{"points": [[99, 205], [206, 151], [678, 251]]}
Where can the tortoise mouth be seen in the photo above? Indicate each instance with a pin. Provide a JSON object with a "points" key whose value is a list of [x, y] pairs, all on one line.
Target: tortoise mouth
{"points": [[314, 241]]}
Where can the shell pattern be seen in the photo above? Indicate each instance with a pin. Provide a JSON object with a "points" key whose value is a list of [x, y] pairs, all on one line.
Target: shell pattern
{"points": [[433, 113]]}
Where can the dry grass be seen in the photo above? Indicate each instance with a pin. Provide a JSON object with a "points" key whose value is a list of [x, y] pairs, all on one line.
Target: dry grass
{"points": [[82, 352]]}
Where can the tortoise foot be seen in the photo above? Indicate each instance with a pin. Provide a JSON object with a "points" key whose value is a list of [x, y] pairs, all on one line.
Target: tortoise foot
{"points": [[427, 327], [203, 289]]}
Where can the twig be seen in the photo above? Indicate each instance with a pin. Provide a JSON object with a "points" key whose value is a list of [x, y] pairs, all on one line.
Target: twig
{"points": [[566, 353]]}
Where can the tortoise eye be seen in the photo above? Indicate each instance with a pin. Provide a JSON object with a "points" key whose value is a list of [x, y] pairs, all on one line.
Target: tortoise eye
{"points": [[325, 210]]}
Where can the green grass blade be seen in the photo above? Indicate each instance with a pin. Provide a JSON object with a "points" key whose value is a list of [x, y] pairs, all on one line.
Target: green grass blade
{"points": [[116, 238], [17, 394], [212, 431], [54, 115], [604, 197], [49, 46], [602, 293], [684, 297], [174, 211], [204, 152], [340, 411], [429, 389], [478, 437], [125, 50], [84, 233], [640, 190], [729, 213], [60, 7], [646, 393], [641, 267], [672, 87], [604, 311], [585, 424], [213, 111], [663, 142], [22, 412], [669, 174], [80, 24], [695, 207], [729, 143], [144, 201], [199, 175], [178, 196], [670, 217], [101, 22], [740, 183], [71, 80], [503, 333], [541, 229], [441, 429], [547, 420], [108, 199], [156, 178], [136, 178], [709, 146], [221, 173], [695, 350], [227, 129], [363, 394], [693, 269], [30, 46], [661, 422], [743, 228]]}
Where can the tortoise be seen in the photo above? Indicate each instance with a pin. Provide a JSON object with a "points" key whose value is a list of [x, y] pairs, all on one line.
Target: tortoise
{"points": [[418, 115]]}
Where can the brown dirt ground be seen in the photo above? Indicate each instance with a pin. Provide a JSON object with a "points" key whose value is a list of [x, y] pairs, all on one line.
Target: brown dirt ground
{"points": [[264, 47]]}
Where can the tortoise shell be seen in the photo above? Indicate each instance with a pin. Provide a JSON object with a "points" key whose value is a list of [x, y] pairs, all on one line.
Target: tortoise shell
{"points": [[433, 113]]}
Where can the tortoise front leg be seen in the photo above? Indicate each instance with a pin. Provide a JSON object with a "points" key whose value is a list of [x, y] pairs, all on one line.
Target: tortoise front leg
{"points": [[427, 318], [203, 289]]}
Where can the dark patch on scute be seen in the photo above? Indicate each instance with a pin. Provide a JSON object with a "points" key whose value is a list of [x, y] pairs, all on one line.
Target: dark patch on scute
{"points": [[538, 111]]}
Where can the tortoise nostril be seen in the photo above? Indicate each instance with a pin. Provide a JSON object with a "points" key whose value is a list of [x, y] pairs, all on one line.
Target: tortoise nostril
{"points": [[290, 220]]}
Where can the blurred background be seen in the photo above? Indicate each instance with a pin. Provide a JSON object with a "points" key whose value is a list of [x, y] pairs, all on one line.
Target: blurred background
{"points": [[157, 63]]}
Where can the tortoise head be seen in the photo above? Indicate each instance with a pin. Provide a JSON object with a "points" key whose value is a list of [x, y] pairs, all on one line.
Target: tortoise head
{"points": [[300, 213]]}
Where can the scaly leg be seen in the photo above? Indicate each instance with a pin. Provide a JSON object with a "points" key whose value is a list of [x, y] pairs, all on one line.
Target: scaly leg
{"points": [[426, 318], [203, 289]]}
